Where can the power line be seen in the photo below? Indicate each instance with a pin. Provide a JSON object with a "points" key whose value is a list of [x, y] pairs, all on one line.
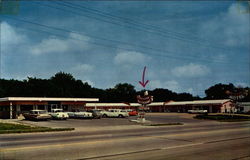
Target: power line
{"points": [[143, 27], [110, 46], [46, 5], [128, 20]]}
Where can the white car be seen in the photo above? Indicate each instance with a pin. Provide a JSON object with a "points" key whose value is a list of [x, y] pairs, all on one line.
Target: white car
{"points": [[58, 114], [114, 113], [197, 111], [37, 115], [80, 114]]}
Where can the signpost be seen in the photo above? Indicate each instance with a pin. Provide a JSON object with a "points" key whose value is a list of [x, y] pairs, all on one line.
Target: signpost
{"points": [[143, 100], [237, 95]]}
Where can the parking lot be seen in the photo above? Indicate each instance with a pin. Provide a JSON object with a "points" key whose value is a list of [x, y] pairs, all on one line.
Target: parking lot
{"points": [[115, 122]]}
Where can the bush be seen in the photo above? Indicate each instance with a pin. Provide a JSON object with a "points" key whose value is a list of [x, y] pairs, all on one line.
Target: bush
{"points": [[223, 117], [18, 128]]}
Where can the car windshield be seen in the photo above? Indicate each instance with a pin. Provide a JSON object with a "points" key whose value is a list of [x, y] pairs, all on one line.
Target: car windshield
{"points": [[42, 112]]}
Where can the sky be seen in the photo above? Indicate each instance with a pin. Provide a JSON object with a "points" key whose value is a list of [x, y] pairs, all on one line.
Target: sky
{"points": [[186, 46]]}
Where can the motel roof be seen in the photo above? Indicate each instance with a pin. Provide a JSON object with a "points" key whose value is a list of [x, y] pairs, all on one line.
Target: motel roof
{"points": [[121, 104], [106, 104], [40, 99], [48, 99], [198, 102]]}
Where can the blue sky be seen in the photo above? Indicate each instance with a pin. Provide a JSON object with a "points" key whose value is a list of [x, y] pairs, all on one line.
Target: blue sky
{"points": [[186, 46]]}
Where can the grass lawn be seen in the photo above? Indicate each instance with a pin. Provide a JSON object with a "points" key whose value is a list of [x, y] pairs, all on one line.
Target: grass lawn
{"points": [[224, 117], [18, 128]]}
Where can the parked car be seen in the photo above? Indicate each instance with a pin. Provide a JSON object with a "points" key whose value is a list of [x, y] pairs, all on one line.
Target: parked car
{"points": [[58, 114], [197, 111], [37, 115], [130, 112], [133, 113], [96, 113], [114, 113], [80, 114]]}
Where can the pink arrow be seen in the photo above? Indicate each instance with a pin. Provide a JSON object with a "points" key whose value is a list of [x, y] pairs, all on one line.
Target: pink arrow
{"points": [[143, 75]]}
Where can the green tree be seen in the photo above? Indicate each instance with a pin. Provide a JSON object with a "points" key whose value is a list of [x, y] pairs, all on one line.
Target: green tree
{"points": [[122, 92], [219, 91], [162, 95], [65, 85], [36, 87]]}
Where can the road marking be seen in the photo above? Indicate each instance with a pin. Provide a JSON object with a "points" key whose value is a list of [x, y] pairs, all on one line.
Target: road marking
{"points": [[228, 139], [241, 157], [180, 146], [120, 154], [155, 149]]}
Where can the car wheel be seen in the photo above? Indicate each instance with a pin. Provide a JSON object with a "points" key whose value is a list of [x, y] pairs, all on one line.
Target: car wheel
{"points": [[104, 116], [120, 116]]}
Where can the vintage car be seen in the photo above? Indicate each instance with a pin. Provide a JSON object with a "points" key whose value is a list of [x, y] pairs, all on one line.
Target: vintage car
{"points": [[199, 111], [80, 114], [114, 113], [96, 113], [58, 114], [37, 115], [133, 113], [130, 112]]}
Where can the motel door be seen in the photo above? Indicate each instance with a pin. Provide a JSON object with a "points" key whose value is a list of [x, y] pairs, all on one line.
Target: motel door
{"points": [[53, 105]]}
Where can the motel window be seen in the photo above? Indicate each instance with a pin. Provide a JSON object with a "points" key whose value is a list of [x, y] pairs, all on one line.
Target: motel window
{"points": [[41, 107], [4, 108], [26, 107]]}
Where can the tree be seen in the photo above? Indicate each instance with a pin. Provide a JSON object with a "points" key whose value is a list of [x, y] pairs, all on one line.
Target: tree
{"points": [[122, 92], [12, 88], [185, 97], [66, 85], [162, 95], [36, 87], [219, 91]]}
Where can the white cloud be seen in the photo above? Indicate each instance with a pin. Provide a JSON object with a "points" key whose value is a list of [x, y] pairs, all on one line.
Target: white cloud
{"points": [[56, 45], [83, 68], [130, 58], [241, 84], [191, 70], [10, 38], [171, 85], [191, 91], [155, 84], [83, 72], [50, 45], [230, 28]]}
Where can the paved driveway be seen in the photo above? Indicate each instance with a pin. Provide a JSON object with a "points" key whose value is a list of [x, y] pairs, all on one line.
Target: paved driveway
{"points": [[115, 122], [171, 118]]}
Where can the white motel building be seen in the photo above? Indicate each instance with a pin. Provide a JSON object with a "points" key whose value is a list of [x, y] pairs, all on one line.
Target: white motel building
{"points": [[13, 107]]}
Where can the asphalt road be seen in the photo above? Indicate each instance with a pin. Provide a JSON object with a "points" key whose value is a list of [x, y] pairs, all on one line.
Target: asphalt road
{"points": [[206, 140]]}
